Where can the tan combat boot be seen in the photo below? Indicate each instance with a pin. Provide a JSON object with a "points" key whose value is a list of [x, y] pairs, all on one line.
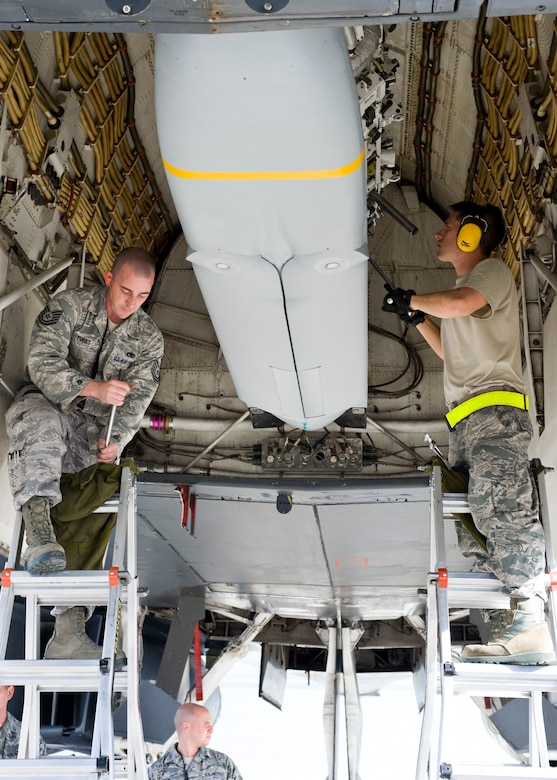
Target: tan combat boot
{"points": [[526, 640], [70, 640], [43, 554]]}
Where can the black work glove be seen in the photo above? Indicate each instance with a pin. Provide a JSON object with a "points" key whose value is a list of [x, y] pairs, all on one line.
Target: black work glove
{"points": [[398, 302]]}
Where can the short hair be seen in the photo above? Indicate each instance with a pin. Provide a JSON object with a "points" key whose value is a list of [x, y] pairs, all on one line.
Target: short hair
{"points": [[492, 215], [142, 261], [187, 712]]}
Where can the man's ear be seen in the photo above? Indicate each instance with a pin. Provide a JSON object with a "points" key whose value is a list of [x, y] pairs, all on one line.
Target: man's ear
{"points": [[108, 278], [11, 691]]}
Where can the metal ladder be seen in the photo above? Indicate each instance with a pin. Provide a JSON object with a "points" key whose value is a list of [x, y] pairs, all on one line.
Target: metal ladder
{"points": [[117, 588], [445, 678]]}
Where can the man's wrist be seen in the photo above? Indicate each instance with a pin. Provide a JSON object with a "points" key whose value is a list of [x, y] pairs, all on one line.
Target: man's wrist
{"points": [[88, 389]]}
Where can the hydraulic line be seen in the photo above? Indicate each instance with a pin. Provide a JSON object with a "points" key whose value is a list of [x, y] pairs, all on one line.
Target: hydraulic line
{"points": [[518, 30], [532, 50], [43, 98], [542, 102], [420, 112], [497, 171], [130, 124], [79, 70], [506, 192], [88, 123], [76, 41], [479, 101], [514, 122], [492, 123], [507, 90], [62, 55], [438, 37], [489, 74], [432, 40], [499, 46], [76, 161], [513, 64], [101, 47]]}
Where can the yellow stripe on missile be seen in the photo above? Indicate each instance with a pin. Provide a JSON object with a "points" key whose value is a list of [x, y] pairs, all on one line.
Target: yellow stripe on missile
{"points": [[330, 173]]}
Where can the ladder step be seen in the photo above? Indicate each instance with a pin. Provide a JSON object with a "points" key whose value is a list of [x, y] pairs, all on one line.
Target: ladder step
{"points": [[502, 679], [85, 587], [474, 590], [58, 675], [493, 772], [482, 591], [455, 503], [68, 767]]}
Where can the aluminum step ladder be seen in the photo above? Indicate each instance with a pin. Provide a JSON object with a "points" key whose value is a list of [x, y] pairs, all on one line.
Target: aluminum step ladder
{"points": [[446, 677], [115, 587]]}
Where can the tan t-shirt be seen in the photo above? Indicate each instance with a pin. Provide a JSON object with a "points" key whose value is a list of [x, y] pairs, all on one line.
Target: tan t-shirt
{"points": [[482, 351]]}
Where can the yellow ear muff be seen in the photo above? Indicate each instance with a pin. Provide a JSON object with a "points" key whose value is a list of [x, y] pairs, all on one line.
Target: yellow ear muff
{"points": [[470, 233]]}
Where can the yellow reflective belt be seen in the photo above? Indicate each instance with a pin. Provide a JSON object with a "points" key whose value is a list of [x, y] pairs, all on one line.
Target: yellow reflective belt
{"points": [[493, 398]]}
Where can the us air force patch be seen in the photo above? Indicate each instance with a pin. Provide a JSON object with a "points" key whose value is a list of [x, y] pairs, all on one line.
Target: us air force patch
{"points": [[49, 317], [156, 370]]}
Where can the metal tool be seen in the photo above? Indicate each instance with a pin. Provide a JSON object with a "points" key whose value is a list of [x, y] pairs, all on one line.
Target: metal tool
{"points": [[111, 418], [110, 424], [434, 448], [388, 285], [382, 274]]}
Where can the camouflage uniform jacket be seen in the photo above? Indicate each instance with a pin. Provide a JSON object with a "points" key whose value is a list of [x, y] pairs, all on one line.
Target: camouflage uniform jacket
{"points": [[71, 344], [9, 738], [207, 764]]}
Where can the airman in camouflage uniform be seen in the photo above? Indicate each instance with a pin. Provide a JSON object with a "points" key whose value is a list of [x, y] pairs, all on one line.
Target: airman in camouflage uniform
{"points": [[10, 730], [90, 351], [492, 444], [52, 427], [479, 341], [190, 758], [207, 764]]}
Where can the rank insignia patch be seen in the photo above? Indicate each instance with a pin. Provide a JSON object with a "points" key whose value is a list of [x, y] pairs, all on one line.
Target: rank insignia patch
{"points": [[48, 317]]}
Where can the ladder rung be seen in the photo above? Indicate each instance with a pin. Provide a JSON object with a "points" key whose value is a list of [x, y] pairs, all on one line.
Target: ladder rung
{"points": [[503, 679], [111, 505], [86, 587], [455, 503], [68, 767], [493, 772], [470, 589], [483, 591], [58, 675], [65, 767]]}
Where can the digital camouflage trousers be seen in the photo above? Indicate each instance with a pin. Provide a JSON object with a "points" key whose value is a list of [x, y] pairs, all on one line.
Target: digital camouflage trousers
{"points": [[492, 445]]}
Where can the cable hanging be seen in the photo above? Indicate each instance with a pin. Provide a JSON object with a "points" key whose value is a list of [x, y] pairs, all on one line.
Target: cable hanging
{"points": [[414, 367]]}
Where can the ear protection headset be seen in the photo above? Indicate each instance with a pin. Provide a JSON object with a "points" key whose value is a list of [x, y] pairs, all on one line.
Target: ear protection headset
{"points": [[470, 233]]}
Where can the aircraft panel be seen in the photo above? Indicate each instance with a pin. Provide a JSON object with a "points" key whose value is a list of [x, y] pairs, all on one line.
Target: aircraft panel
{"points": [[378, 544], [361, 548]]}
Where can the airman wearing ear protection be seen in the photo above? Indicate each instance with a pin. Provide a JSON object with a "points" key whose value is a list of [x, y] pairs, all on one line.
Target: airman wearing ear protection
{"points": [[490, 429], [470, 232]]}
